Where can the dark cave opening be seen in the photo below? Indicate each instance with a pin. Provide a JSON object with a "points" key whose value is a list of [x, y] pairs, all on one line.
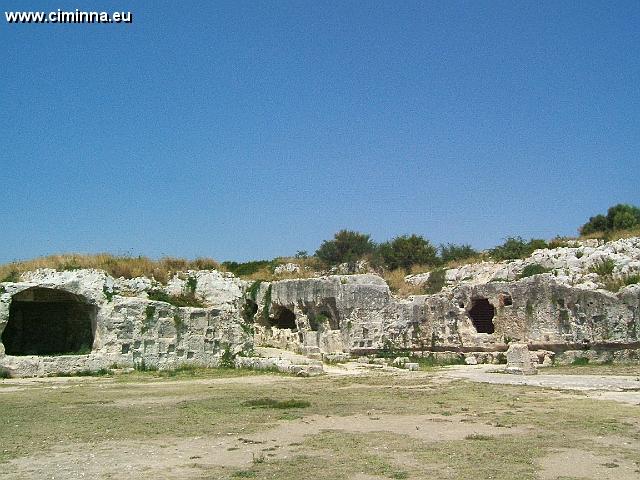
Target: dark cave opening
{"points": [[44, 321], [482, 313], [283, 318]]}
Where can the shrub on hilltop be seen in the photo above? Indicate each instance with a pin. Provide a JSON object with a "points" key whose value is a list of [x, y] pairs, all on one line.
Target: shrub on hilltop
{"points": [[515, 247], [454, 253], [406, 251], [346, 247]]}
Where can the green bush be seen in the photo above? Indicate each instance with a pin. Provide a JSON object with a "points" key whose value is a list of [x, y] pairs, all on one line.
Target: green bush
{"points": [[515, 247], [252, 291], [178, 323], [436, 281], [594, 225], [558, 242], [433, 361], [142, 366], [13, 276], [266, 310], [183, 300], [192, 284], [108, 294], [244, 474], [580, 361], [346, 246], [631, 279], [623, 216], [533, 269], [615, 284], [247, 268], [227, 359], [453, 253], [83, 373], [406, 251]]}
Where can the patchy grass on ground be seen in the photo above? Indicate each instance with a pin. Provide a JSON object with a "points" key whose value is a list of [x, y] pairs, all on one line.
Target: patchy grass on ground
{"points": [[223, 424]]}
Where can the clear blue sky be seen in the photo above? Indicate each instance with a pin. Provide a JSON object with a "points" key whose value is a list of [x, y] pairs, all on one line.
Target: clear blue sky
{"points": [[251, 129]]}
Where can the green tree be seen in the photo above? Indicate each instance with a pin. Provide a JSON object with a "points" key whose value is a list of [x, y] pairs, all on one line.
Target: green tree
{"points": [[594, 225], [623, 216], [405, 251], [346, 246], [619, 217]]}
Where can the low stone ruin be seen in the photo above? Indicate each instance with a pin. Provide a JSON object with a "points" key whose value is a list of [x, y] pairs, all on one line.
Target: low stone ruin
{"points": [[67, 321]]}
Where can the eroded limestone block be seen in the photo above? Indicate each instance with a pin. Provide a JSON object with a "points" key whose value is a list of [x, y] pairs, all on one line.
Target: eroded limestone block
{"points": [[400, 361], [471, 360], [519, 360]]}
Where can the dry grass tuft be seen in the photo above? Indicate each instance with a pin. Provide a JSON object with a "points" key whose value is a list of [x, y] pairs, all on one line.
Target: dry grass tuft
{"points": [[117, 266], [399, 286]]}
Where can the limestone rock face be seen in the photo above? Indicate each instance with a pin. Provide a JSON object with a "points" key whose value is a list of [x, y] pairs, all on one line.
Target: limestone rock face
{"points": [[562, 315], [287, 268], [358, 314], [317, 314], [48, 308]]}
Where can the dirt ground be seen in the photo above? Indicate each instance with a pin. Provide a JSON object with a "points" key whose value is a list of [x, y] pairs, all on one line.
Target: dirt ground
{"points": [[449, 423]]}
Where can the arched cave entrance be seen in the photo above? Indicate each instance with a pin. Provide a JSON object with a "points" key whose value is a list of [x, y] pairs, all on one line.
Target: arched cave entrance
{"points": [[283, 318], [482, 313], [44, 321]]}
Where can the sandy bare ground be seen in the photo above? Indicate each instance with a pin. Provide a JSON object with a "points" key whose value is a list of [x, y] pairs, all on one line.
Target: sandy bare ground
{"points": [[576, 463], [625, 389]]}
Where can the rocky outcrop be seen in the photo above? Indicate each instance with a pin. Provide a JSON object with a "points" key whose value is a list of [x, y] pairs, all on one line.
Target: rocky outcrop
{"points": [[358, 314], [563, 315], [573, 265]]}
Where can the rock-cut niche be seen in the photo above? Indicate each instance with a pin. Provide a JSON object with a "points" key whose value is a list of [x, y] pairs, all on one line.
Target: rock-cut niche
{"points": [[45, 321], [283, 317]]}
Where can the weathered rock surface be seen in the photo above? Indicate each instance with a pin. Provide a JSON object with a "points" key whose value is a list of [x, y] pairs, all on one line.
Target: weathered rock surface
{"points": [[125, 330], [570, 265], [562, 315], [358, 314], [287, 268]]}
